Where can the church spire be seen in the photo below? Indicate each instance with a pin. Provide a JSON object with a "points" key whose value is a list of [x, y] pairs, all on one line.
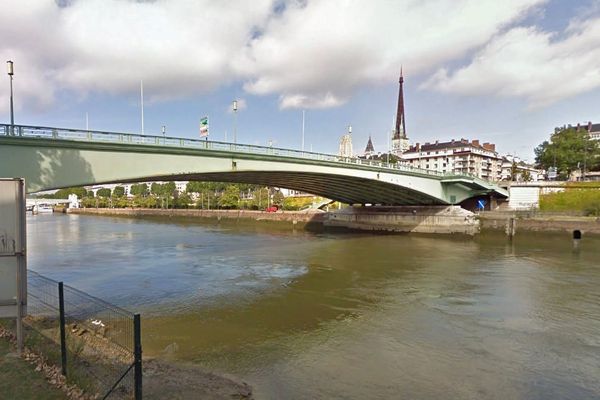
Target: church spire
{"points": [[400, 130], [369, 150]]}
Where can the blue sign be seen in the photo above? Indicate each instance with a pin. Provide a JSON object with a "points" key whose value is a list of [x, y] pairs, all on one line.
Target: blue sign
{"points": [[480, 204]]}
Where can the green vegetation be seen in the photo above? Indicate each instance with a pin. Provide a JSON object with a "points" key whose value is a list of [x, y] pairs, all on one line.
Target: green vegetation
{"points": [[64, 193], [201, 195], [586, 201], [19, 380], [569, 151]]}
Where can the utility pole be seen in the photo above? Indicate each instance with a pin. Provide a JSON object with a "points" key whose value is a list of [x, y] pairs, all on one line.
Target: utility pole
{"points": [[11, 72], [303, 115], [142, 102], [235, 108]]}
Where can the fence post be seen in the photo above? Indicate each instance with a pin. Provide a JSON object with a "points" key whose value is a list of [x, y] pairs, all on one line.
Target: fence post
{"points": [[63, 339], [137, 354]]}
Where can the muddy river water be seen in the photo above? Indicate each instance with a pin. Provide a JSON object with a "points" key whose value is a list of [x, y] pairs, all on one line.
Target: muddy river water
{"points": [[302, 315]]}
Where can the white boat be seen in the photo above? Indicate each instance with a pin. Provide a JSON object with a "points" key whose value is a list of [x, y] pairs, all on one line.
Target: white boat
{"points": [[43, 209]]}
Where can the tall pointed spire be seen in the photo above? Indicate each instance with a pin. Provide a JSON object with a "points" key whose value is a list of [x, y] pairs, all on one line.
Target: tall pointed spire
{"points": [[369, 149], [400, 131]]}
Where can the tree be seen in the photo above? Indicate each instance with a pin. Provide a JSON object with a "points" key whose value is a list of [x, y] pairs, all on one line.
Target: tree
{"points": [[119, 191], [139, 189], [156, 189], [104, 192], [514, 171], [278, 198], [526, 176], [64, 193], [230, 197], [568, 150]]}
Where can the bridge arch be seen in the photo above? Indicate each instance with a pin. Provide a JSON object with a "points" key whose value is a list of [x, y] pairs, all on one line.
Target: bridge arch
{"points": [[51, 158]]}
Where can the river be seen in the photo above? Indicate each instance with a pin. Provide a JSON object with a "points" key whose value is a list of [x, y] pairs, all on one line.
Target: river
{"points": [[302, 315]]}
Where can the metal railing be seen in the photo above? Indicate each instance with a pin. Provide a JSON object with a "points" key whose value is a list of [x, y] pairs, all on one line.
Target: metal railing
{"points": [[169, 141]]}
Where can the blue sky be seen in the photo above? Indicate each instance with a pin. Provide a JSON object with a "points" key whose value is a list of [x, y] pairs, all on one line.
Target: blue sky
{"points": [[505, 72]]}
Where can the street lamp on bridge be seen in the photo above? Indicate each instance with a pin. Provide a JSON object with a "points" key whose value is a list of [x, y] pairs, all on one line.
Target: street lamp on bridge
{"points": [[235, 108], [11, 72]]}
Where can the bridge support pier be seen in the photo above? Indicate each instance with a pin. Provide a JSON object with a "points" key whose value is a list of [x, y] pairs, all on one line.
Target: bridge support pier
{"points": [[418, 219]]}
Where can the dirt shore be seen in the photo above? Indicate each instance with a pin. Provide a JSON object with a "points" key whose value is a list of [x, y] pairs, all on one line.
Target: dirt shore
{"points": [[167, 380]]}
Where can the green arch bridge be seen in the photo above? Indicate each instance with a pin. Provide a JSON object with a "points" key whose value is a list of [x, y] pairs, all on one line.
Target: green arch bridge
{"points": [[52, 158]]}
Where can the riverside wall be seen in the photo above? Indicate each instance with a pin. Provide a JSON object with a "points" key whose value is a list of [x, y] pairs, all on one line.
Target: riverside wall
{"points": [[538, 222], [291, 217], [416, 219], [419, 219]]}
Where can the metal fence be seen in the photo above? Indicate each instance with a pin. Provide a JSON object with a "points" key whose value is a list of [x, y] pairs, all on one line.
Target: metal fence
{"points": [[96, 343], [167, 141]]}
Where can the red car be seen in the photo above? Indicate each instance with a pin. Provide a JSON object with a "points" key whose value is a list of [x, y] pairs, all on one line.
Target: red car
{"points": [[271, 209]]}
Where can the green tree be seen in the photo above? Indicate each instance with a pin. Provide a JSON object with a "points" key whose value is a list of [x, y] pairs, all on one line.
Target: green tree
{"points": [[64, 193], [119, 191], [104, 192], [568, 150], [139, 189], [526, 176], [230, 197], [156, 189], [278, 198], [514, 171]]}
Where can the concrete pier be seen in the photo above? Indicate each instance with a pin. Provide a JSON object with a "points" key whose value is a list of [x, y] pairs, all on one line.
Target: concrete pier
{"points": [[418, 219]]}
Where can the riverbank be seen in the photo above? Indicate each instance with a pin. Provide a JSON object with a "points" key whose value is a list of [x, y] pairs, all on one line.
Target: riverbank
{"points": [[530, 221], [536, 221], [294, 218]]}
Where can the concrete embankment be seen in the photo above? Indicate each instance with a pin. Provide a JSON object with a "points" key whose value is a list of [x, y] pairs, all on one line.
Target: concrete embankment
{"points": [[435, 219], [415, 219], [290, 217], [538, 222]]}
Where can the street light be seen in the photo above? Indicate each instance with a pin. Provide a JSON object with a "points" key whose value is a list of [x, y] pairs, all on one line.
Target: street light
{"points": [[235, 108], [164, 132], [11, 72]]}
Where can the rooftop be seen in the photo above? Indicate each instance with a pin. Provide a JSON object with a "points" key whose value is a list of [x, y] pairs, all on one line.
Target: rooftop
{"points": [[452, 144]]}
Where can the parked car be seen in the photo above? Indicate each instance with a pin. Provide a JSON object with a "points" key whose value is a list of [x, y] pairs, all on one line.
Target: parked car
{"points": [[271, 209]]}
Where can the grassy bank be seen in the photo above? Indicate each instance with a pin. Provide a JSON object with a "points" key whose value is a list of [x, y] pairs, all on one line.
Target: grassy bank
{"points": [[586, 201], [20, 380]]}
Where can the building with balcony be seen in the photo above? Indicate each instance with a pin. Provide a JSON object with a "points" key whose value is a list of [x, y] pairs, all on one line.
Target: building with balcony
{"points": [[457, 156]]}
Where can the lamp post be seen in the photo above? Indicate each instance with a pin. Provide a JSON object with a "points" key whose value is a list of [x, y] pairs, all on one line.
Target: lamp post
{"points": [[11, 72], [303, 115], [235, 108], [164, 132]]}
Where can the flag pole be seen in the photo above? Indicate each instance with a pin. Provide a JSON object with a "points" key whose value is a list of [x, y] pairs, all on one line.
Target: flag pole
{"points": [[142, 102]]}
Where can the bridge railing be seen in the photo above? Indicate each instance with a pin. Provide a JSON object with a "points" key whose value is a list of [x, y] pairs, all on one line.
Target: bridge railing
{"points": [[169, 141]]}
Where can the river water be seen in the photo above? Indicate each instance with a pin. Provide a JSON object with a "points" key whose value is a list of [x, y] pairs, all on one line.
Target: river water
{"points": [[303, 315]]}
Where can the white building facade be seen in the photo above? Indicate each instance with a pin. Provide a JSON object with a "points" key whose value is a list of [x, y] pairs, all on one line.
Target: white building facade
{"points": [[457, 156]]}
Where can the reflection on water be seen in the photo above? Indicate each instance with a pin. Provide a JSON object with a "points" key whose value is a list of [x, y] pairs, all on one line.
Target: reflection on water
{"points": [[348, 316]]}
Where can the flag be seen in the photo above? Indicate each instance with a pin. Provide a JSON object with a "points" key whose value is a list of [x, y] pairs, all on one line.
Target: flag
{"points": [[203, 126]]}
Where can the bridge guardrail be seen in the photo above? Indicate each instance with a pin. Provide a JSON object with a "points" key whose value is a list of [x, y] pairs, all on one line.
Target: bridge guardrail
{"points": [[169, 141]]}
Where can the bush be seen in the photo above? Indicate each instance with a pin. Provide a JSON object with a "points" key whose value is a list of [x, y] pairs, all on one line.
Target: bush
{"points": [[583, 200]]}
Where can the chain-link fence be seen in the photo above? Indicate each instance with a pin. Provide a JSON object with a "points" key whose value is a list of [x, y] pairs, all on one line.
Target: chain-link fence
{"points": [[96, 343]]}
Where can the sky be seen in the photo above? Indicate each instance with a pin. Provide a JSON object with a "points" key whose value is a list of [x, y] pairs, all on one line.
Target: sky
{"points": [[505, 72]]}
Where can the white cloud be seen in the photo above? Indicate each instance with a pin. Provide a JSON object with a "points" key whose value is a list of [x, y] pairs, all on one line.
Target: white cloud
{"points": [[311, 54], [178, 47], [532, 64], [316, 54]]}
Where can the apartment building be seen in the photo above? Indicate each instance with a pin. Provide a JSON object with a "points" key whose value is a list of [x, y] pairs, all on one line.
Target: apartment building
{"points": [[457, 156]]}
